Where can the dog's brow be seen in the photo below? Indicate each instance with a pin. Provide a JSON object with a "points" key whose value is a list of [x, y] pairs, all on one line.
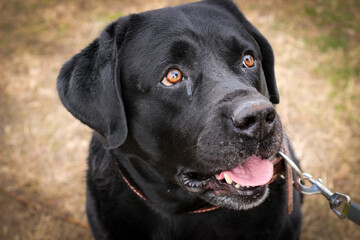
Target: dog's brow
{"points": [[182, 51]]}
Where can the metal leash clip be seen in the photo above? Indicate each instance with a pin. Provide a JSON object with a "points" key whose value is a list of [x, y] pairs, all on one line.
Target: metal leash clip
{"points": [[340, 203]]}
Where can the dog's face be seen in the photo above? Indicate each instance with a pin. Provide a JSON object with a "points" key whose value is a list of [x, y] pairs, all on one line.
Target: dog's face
{"points": [[190, 90]]}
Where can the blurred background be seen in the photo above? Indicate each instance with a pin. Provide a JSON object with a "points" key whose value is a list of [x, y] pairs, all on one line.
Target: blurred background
{"points": [[43, 148]]}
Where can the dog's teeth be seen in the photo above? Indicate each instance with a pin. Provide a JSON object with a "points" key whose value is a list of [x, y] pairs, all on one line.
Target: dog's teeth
{"points": [[237, 186], [228, 179]]}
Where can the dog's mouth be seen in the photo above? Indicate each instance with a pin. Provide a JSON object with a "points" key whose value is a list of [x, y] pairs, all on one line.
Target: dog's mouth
{"points": [[242, 187]]}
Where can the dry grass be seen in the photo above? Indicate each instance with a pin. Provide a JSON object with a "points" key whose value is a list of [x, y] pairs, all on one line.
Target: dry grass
{"points": [[43, 149]]}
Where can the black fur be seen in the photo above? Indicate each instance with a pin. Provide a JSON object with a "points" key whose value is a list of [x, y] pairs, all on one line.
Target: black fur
{"points": [[156, 133]]}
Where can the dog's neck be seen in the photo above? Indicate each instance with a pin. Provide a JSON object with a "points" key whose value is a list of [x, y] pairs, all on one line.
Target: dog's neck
{"points": [[281, 168]]}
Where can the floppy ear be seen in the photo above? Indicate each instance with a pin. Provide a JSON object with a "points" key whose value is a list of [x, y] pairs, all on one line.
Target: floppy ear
{"points": [[267, 61], [89, 85], [265, 48]]}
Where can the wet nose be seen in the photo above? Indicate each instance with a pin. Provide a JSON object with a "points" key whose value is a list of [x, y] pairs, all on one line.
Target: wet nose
{"points": [[254, 119]]}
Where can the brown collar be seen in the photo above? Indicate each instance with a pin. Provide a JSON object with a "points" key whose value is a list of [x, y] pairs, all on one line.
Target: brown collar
{"points": [[135, 190], [280, 167]]}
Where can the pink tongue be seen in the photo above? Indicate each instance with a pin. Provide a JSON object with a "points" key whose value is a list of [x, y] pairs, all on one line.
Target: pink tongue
{"points": [[255, 171]]}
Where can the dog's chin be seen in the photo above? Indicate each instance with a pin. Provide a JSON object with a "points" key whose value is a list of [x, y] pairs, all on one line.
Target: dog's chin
{"points": [[221, 194], [237, 201]]}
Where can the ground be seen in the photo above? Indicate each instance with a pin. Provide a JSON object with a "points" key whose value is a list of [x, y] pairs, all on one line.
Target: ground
{"points": [[43, 148]]}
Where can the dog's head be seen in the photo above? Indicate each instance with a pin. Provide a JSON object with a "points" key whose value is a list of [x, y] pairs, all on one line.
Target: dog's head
{"points": [[190, 91]]}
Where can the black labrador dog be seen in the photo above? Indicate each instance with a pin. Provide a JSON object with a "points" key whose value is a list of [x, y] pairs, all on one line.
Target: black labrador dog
{"points": [[181, 101]]}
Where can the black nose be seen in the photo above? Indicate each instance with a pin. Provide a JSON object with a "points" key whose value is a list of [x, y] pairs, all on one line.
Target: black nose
{"points": [[254, 119]]}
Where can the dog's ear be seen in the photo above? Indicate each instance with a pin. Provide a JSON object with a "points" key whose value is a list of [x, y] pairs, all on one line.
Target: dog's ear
{"points": [[267, 61], [265, 48], [89, 85]]}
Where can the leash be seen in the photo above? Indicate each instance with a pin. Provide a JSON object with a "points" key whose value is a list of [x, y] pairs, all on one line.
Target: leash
{"points": [[340, 203]]}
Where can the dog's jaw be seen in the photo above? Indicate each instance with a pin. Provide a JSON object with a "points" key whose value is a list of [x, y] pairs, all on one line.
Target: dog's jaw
{"points": [[222, 191], [222, 194], [237, 202]]}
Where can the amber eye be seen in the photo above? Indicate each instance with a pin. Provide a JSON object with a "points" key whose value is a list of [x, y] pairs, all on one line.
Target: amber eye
{"points": [[248, 60], [172, 77]]}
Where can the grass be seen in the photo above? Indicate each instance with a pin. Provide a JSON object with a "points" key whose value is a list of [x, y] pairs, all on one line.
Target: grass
{"points": [[338, 38], [332, 34], [43, 148]]}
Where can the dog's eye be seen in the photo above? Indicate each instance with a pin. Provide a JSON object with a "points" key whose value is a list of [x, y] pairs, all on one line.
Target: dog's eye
{"points": [[248, 61], [172, 77]]}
